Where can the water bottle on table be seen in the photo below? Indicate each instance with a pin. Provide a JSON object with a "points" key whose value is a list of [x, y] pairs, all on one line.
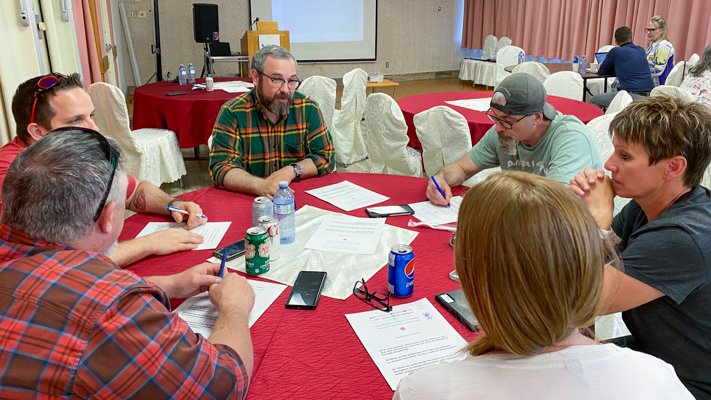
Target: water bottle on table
{"points": [[583, 65], [520, 57], [284, 211], [191, 74], [182, 78]]}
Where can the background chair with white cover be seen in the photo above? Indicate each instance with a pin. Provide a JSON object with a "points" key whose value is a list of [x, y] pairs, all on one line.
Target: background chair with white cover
{"points": [[501, 43], [621, 100], [533, 68], [151, 155], [681, 71], [346, 133], [566, 84], [489, 51], [674, 91], [323, 90], [387, 138], [508, 55]]}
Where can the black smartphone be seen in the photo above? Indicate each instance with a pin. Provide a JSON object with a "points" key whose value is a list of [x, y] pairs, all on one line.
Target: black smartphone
{"points": [[307, 290], [389, 211], [234, 250], [457, 305], [174, 93]]}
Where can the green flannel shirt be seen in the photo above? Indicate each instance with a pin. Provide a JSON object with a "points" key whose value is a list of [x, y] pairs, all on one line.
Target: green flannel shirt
{"points": [[243, 137]]}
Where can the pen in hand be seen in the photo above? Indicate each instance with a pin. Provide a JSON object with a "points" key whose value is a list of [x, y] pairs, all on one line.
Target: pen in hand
{"points": [[176, 209], [440, 190], [222, 265]]}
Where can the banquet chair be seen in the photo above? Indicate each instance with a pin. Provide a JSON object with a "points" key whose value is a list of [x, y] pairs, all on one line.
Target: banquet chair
{"points": [[605, 49], [620, 101], [680, 72], [673, 91], [566, 84], [346, 134], [387, 138], [535, 69], [506, 56], [323, 91], [694, 59], [151, 155], [489, 51], [501, 43]]}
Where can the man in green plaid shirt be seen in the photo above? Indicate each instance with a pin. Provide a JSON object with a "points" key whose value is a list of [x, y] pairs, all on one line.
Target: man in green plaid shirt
{"points": [[271, 133]]}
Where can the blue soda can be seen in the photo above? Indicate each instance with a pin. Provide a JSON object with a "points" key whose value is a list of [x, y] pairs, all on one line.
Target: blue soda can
{"points": [[401, 270]]}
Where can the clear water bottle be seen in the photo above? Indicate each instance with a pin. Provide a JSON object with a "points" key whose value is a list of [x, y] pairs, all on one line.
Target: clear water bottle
{"points": [[284, 209], [583, 65], [520, 57], [191, 74], [182, 79]]}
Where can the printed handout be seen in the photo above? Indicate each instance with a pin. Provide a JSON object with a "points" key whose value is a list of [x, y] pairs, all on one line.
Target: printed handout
{"points": [[347, 196], [346, 234], [212, 232], [427, 212]]}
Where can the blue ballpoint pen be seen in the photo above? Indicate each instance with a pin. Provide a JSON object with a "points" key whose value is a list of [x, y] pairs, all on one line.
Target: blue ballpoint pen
{"points": [[222, 265], [440, 190], [176, 209]]}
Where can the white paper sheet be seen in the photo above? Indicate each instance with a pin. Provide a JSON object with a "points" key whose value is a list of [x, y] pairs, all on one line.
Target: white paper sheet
{"points": [[347, 196], [212, 232], [427, 212], [201, 315], [409, 337], [472, 104], [346, 234], [269, 40]]}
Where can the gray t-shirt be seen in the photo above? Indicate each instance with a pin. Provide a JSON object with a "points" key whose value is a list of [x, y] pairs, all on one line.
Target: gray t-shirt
{"points": [[672, 253], [566, 148]]}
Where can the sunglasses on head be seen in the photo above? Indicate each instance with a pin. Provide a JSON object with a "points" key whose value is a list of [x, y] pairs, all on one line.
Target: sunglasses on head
{"points": [[44, 84], [111, 155]]}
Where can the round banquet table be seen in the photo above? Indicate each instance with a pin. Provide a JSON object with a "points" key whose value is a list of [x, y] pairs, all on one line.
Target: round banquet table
{"points": [[191, 115], [315, 354], [479, 123]]}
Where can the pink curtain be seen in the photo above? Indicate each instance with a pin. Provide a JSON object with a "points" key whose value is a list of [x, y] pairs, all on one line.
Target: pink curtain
{"points": [[91, 70]]}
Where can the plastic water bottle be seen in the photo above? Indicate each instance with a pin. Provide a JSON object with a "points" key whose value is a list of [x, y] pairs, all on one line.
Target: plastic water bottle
{"points": [[182, 79], [575, 64], [191, 74], [583, 65], [520, 57], [284, 209]]}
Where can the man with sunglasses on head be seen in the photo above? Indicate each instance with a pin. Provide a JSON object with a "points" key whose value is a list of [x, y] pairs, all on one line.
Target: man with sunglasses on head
{"points": [[271, 133], [48, 102], [82, 328], [528, 135]]}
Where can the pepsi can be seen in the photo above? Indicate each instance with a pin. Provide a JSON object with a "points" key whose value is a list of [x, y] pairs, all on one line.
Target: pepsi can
{"points": [[401, 270]]}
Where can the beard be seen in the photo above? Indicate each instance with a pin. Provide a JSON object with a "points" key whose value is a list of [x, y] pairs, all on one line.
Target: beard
{"points": [[277, 108], [507, 144]]}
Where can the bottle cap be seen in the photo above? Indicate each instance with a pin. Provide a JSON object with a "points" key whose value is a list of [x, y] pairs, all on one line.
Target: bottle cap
{"points": [[283, 184]]}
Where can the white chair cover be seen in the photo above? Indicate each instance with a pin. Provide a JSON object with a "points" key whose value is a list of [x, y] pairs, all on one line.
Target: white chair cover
{"points": [[677, 92], [479, 72], [535, 69], [151, 155], [323, 90], [346, 133], [605, 49], [503, 42], [444, 135], [387, 138], [621, 100], [694, 59], [567, 84], [489, 52], [599, 128], [506, 56]]}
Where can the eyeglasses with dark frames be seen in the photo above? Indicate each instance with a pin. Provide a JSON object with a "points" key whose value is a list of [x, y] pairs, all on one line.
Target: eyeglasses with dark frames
{"points": [[382, 300], [111, 155], [279, 82], [505, 124], [44, 84]]}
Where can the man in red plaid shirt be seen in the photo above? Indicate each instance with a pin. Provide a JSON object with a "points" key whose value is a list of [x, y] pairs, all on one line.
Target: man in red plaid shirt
{"points": [[72, 324]]}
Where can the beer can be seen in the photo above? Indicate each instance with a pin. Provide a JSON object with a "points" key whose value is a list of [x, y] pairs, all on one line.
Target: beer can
{"points": [[256, 250], [272, 226], [401, 270], [208, 84], [262, 206]]}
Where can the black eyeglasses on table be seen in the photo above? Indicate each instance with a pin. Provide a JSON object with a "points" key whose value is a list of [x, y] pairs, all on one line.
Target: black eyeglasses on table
{"points": [[111, 155], [382, 300], [44, 84]]}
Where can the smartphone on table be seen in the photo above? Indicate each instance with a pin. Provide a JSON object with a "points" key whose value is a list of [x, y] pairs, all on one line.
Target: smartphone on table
{"points": [[174, 93], [456, 303], [389, 211], [306, 290], [234, 250]]}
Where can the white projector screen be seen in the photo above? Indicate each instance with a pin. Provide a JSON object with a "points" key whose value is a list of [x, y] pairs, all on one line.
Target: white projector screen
{"points": [[324, 30]]}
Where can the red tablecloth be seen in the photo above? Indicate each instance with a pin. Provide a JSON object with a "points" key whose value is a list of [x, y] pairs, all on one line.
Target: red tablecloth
{"points": [[478, 121], [191, 116], [315, 354]]}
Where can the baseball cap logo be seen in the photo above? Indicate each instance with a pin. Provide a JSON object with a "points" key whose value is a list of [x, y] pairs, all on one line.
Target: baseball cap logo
{"points": [[410, 268]]}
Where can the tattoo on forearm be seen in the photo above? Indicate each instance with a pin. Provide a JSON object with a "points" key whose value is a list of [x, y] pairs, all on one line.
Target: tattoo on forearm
{"points": [[139, 200]]}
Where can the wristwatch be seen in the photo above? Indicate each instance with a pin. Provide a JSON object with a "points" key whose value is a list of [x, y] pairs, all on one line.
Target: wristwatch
{"points": [[298, 170]]}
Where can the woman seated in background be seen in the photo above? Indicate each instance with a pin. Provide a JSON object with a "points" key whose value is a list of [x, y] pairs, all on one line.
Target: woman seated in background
{"points": [[530, 260], [660, 52], [698, 82]]}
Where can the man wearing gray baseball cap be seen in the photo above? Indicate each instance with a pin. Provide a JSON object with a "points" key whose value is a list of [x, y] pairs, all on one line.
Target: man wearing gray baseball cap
{"points": [[528, 135]]}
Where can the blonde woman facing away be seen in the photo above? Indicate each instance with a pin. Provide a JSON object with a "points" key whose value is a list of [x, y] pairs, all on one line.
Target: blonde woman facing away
{"points": [[530, 259], [660, 52]]}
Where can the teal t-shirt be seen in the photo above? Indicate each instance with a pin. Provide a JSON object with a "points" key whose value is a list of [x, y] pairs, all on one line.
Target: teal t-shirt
{"points": [[566, 148]]}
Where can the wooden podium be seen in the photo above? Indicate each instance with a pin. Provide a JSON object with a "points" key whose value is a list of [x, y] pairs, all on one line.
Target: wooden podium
{"points": [[250, 41]]}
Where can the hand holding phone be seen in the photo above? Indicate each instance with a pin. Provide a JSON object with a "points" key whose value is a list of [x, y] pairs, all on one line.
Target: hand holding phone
{"points": [[389, 211]]}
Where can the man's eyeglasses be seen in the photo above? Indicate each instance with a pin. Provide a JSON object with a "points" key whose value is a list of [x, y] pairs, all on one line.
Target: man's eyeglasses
{"points": [[505, 124], [379, 300], [651, 30], [111, 154], [44, 84], [278, 82]]}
